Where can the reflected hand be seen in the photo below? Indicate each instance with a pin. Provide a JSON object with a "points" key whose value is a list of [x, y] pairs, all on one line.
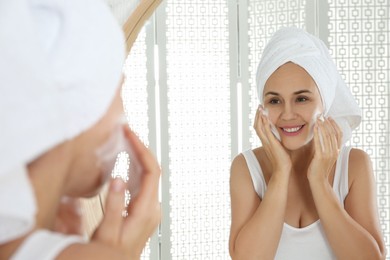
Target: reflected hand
{"points": [[129, 234], [327, 143], [69, 218], [274, 150]]}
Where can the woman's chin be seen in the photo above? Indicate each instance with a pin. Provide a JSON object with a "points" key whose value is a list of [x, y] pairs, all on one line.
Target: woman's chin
{"points": [[293, 145], [94, 189], [92, 193]]}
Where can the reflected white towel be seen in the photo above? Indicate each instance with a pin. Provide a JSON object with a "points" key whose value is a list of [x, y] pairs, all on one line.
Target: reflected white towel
{"points": [[295, 45], [17, 204], [60, 67], [122, 9]]}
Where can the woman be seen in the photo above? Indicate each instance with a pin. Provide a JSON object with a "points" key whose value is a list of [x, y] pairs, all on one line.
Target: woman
{"points": [[60, 112], [307, 196]]}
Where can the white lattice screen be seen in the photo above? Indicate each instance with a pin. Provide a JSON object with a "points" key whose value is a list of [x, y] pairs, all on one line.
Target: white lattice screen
{"points": [[191, 96], [198, 98], [361, 47]]}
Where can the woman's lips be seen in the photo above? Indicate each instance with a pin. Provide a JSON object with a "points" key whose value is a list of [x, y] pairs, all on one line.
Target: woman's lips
{"points": [[292, 130]]}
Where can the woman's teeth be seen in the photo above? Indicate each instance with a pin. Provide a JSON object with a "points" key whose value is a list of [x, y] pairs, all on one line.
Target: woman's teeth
{"points": [[292, 129]]}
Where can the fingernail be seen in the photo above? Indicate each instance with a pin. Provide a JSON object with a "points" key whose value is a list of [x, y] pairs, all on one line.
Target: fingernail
{"points": [[123, 120], [263, 111], [117, 185]]}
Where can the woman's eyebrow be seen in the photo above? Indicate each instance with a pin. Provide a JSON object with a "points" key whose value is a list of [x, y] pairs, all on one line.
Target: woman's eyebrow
{"points": [[295, 93], [271, 93], [302, 91]]}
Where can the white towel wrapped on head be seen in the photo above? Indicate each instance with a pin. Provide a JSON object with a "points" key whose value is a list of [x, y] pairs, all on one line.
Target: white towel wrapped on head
{"points": [[309, 52], [60, 67]]}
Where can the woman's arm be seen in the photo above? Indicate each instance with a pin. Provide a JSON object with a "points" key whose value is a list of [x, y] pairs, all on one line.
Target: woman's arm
{"points": [[116, 237], [256, 225], [353, 232], [124, 238]]}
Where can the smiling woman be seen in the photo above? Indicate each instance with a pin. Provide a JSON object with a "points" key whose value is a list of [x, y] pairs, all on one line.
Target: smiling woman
{"points": [[296, 94], [196, 99], [307, 196]]}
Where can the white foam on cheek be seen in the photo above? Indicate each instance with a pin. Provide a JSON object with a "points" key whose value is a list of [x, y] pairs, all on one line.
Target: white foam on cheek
{"points": [[273, 127], [264, 111], [318, 115], [107, 156]]}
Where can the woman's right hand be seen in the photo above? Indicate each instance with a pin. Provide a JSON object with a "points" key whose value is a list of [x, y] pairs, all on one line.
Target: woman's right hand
{"points": [[129, 234], [277, 155]]}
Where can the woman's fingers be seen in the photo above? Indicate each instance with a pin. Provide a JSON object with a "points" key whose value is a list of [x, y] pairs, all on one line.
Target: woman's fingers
{"points": [[317, 137], [268, 132], [258, 124], [326, 149], [327, 137], [332, 136], [69, 220], [147, 165], [131, 233], [256, 118], [263, 127], [142, 154], [144, 212], [110, 228]]}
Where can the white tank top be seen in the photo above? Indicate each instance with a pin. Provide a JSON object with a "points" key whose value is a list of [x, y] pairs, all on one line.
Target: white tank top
{"points": [[309, 242]]}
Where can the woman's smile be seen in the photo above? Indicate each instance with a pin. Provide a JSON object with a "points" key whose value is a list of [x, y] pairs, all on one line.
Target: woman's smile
{"points": [[292, 130]]}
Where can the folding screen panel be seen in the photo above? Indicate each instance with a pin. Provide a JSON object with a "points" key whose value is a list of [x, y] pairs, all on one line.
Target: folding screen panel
{"points": [[198, 128], [359, 39]]}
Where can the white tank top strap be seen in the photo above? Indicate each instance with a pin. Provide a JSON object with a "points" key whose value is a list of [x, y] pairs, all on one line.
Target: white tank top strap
{"points": [[255, 172], [45, 245], [340, 181]]}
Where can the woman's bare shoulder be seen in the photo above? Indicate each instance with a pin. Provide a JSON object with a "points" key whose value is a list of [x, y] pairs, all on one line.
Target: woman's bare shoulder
{"points": [[359, 164], [240, 161], [239, 167]]}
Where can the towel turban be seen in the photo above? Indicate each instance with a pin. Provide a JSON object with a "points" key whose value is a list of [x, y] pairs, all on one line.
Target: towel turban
{"points": [[309, 52], [60, 67]]}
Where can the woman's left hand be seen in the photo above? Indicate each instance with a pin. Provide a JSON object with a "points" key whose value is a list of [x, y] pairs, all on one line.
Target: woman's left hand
{"points": [[327, 143], [69, 219]]}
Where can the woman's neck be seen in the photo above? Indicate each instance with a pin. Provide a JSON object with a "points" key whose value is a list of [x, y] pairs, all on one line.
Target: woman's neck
{"points": [[302, 157], [48, 174]]}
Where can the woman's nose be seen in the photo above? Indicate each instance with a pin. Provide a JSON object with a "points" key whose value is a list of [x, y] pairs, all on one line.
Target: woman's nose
{"points": [[288, 112]]}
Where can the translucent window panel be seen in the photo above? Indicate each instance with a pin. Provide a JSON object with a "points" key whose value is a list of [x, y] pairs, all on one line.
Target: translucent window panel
{"points": [[359, 41], [266, 17], [135, 99], [134, 92], [197, 58]]}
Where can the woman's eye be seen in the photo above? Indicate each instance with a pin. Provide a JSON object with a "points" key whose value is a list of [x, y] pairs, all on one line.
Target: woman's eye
{"points": [[302, 99], [274, 101]]}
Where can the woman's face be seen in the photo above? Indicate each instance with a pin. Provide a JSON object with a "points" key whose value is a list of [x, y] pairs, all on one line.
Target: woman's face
{"points": [[294, 103], [86, 176]]}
